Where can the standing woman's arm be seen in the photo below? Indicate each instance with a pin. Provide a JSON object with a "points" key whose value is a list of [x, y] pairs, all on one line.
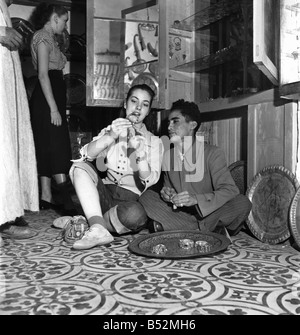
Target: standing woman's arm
{"points": [[43, 68]]}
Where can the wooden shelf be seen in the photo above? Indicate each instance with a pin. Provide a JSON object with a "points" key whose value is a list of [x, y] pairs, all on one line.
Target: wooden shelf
{"points": [[221, 104], [290, 91]]}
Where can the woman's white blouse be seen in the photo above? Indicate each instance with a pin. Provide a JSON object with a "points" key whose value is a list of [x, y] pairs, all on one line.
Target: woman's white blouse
{"points": [[120, 164]]}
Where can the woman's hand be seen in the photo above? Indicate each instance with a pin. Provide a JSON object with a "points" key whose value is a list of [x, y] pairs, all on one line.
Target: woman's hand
{"points": [[56, 118], [138, 144], [119, 128]]}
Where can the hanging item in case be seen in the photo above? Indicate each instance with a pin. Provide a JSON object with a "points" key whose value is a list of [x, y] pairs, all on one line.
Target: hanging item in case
{"points": [[139, 65]]}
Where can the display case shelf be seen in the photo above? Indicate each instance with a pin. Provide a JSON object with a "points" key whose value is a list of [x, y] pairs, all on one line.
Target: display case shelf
{"points": [[225, 55], [209, 15]]}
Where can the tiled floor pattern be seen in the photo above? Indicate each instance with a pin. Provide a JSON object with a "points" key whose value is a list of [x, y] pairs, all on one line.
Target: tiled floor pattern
{"points": [[42, 275]]}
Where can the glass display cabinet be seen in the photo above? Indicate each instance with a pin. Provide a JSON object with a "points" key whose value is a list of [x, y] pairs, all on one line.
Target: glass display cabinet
{"points": [[290, 49], [123, 50], [141, 52], [195, 50]]}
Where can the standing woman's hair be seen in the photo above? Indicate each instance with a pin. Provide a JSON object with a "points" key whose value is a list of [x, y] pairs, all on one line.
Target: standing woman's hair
{"points": [[42, 13]]}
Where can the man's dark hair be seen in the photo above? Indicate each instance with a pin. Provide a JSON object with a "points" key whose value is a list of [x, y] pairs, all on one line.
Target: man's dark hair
{"points": [[189, 110]]}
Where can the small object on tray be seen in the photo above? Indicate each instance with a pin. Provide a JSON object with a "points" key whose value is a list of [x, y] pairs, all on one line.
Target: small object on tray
{"points": [[159, 249], [204, 244], [186, 244]]}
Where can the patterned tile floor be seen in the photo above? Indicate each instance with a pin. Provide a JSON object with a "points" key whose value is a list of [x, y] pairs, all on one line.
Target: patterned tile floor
{"points": [[43, 276]]}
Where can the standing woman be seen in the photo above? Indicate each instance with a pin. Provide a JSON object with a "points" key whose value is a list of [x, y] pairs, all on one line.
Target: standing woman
{"points": [[48, 105]]}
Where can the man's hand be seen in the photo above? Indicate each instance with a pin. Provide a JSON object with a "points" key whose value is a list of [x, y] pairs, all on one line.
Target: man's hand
{"points": [[167, 193], [10, 38], [184, 199]]}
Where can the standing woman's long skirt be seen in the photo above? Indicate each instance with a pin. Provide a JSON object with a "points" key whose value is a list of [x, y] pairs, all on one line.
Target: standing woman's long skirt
{"points": [[52, 143]]}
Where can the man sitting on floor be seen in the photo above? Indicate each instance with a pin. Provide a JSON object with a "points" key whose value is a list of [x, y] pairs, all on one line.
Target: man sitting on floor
{"points": [[198, 190]]}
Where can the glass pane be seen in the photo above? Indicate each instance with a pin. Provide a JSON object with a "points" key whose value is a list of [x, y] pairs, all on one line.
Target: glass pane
{"points": [[107, 54], [266, 37], [290, 42], [141, 55]]}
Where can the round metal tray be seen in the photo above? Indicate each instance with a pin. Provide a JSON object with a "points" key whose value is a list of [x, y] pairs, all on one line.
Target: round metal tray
{"points": [[143, 245], [295, 218], [271, 194]]}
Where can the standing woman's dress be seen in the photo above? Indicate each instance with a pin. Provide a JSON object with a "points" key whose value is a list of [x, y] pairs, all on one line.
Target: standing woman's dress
{"points": [[53, 148], [18, 173]]}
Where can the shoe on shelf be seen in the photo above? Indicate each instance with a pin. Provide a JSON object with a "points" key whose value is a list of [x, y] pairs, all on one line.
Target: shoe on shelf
{"points": [[45, 205], [17, 232], [61, 222], [154, 226], [96, 235]]}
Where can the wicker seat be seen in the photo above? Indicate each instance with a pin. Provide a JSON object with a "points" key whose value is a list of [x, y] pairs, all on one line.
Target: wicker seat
{"points": [[238, 171]]}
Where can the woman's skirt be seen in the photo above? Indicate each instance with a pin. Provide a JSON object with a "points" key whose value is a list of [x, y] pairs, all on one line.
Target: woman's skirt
{"points": [[52, 143]]}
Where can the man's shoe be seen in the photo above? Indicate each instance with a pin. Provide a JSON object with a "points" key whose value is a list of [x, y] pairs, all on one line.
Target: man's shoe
{"points": [[17, 233], [221, 230], [155, 227], [236, 230], [96, 235]]}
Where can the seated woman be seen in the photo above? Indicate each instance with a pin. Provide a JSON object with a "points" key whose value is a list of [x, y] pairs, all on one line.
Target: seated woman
{"points": [[131, 157]]}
